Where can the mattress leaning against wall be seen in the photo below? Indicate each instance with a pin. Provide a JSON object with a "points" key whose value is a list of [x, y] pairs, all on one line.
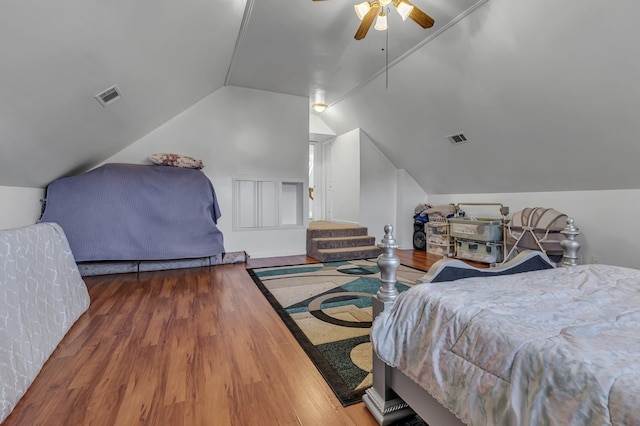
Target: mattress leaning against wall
{"points": [[41, 296], [132, 213]]}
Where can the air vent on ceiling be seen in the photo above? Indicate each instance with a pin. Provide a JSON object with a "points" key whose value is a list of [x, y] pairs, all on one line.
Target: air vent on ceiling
{"points": [[109, 96], [457, 138]]}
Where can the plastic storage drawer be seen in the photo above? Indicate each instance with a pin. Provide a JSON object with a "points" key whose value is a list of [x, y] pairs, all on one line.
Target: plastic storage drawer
{"points": [[476, 229], [441, 250], [478, 251], [437, 228]]}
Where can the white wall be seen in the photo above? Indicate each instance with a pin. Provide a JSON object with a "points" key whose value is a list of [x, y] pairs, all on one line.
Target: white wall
{"points": [[379, 195], [410, 194], [240, 132], [344, 187], [20, 206], [378, 189], [607, 220], [318, 129]]}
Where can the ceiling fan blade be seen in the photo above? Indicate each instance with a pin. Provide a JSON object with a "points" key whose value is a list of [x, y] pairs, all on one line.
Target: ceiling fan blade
{"points": [[366, 23], [420, 18]]}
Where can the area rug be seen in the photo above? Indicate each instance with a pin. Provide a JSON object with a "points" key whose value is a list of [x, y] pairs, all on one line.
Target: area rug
{"points": [[327, 307]]}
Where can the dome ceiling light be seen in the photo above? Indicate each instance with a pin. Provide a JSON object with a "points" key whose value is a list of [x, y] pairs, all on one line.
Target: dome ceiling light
{"points": [[319, 107]]}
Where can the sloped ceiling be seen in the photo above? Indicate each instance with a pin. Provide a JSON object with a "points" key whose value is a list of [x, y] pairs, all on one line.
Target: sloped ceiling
{"points": [[307, 48], [546, 91], [56, 55], [165, 56]]}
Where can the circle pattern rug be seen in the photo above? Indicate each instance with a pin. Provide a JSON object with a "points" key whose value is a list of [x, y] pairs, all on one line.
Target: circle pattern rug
{"points": [[327, 307]]}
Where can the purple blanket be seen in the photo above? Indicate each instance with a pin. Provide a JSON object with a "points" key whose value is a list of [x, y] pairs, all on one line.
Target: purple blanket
{"points": [[136, 212]]}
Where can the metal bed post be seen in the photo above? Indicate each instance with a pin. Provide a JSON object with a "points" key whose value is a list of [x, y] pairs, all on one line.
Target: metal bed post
{"points": [[570, 246], [381, 401]]}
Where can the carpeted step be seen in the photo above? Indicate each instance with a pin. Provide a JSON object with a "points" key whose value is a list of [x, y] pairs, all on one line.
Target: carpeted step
{"points": [[347, 253], [329, 242], [353, 231], [343, 242]]}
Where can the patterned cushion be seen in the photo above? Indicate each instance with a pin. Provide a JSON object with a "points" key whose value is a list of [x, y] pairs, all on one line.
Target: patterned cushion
{"points": [[175, 160]]}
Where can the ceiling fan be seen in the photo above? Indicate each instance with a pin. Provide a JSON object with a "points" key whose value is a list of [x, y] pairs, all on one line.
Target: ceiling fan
{"points": [[368, 10]]}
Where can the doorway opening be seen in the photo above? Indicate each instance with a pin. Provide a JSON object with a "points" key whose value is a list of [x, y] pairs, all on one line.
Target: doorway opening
{"points": [[312, 180], [319, 180]]}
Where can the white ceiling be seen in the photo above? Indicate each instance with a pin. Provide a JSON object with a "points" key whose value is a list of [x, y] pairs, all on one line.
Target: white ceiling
{"points": [[165, 56], [307, 48], [547, 91], [55, 56]]}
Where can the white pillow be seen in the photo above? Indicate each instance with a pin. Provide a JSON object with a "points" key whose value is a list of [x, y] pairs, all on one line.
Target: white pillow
{"points": [[175, 160]]}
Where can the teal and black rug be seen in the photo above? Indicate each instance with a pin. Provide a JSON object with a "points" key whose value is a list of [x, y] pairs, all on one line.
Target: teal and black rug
{"points": [[327, 307]]}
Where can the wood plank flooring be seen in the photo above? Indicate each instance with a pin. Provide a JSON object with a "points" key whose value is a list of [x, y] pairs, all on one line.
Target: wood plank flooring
{"points": [[195, 346]]}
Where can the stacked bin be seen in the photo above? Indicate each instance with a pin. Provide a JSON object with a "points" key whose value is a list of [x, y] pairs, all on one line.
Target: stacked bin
{"points": [[438, 239], [479, 240]]}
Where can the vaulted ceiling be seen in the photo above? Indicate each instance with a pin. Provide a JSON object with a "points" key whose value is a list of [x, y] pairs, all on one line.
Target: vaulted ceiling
{"points": [[307, 48], [165, 56], [546, 91], [55, 56]]}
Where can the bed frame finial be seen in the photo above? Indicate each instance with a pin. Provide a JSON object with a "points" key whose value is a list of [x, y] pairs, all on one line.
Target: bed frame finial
{"points": [[388, 262], [383, 404], [570, 246]]}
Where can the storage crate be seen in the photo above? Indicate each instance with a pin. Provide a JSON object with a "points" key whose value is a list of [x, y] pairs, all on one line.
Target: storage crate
{"points": [[476, 229], [485, 252]]}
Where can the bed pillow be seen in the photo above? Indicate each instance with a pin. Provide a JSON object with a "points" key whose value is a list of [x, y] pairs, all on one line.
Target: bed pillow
{"points": [[175, 160]]}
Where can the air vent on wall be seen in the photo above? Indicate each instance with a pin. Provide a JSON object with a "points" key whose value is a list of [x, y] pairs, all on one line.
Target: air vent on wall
{"points": [[457, 138], [109, 96]]}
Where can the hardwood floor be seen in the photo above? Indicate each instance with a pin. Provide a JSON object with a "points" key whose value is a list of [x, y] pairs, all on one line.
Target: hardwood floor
{"points": [[185, 347]]}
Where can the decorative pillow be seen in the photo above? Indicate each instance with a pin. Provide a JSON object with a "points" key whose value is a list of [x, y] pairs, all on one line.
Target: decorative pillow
{"points": [[175, 160]]}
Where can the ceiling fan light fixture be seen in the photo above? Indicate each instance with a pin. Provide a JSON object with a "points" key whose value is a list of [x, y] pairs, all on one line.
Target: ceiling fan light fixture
{"points": [[377, 10], [403, 8], [381, 21], [319, 107], [362, 9]]}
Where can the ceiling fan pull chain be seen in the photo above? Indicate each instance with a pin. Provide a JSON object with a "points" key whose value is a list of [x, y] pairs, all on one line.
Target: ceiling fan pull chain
{"points": [[386, 52]]}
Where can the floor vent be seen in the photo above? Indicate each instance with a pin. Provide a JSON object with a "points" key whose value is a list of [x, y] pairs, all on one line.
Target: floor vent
{"points": [[109, 96], [457, 138]]}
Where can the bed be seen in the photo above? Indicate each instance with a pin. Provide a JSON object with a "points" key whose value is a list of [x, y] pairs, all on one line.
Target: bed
{"points": [[556, 346], [132, 212]]}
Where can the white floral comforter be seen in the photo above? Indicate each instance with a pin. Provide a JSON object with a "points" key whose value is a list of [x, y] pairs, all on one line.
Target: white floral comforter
{"points": [[41, 296], [553, 347]]}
